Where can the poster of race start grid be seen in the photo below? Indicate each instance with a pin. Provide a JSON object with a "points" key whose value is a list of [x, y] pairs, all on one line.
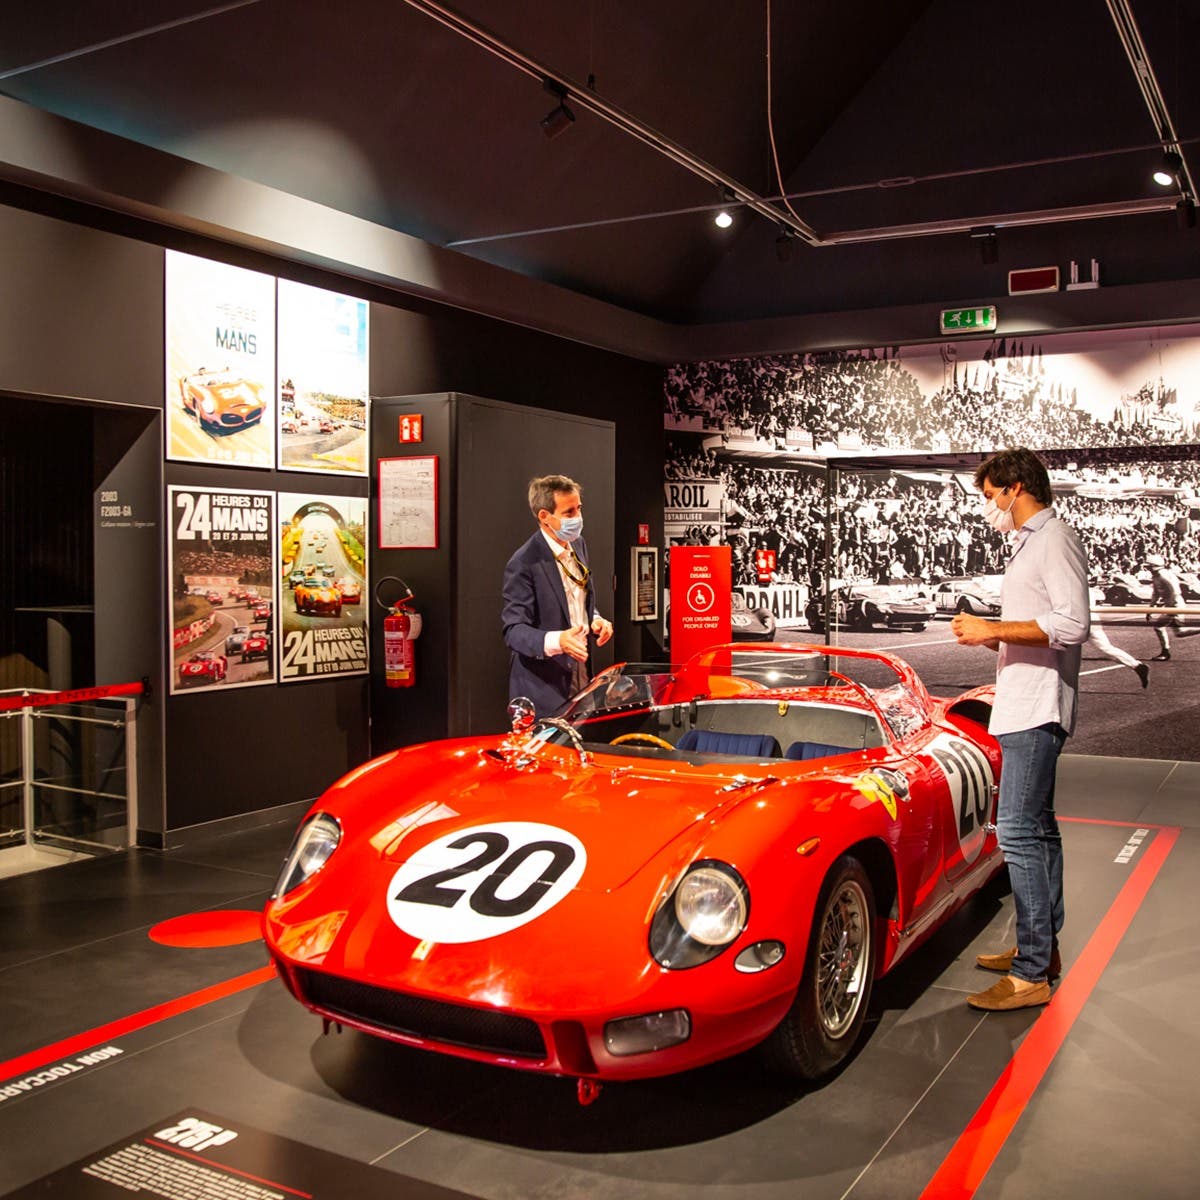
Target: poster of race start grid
{"points": [[748, 441]]}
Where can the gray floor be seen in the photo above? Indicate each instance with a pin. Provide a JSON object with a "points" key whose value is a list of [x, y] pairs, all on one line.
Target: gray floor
{"points": [[1117, 1112]]}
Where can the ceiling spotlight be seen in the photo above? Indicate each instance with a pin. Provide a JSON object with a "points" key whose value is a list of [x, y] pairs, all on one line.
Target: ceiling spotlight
{"points": [[989, 250], [724, 218], [1167, 174], [560, 118]]}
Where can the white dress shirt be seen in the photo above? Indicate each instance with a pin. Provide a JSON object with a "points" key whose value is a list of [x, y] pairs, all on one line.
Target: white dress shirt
{"points": [[576, 593], [1046, 581]]}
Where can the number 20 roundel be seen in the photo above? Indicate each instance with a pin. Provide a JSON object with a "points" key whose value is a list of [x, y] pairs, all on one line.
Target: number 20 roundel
{"points": [[480, 882]]}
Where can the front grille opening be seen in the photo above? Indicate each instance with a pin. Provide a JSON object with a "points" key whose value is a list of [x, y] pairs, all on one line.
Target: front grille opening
{"points": [[417, 1016]]}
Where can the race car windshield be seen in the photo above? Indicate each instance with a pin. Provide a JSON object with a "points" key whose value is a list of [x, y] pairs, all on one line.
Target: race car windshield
{"points": [[743, 672]]}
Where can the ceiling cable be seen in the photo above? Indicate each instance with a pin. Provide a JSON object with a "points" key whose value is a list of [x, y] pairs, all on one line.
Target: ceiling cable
{"points": [[771, 125], [1139, 59], [81, 51], [1118, 208], [591, 100]]}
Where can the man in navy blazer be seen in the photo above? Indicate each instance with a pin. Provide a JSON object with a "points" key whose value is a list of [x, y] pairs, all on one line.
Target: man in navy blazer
{"points": [[549, 603]]}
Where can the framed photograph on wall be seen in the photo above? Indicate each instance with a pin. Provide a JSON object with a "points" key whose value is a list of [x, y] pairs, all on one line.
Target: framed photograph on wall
{"points": [[643, 583]]}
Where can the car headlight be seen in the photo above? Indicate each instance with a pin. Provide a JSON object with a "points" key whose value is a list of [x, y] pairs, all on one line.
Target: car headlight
{"points": [[208, 404], [705, 913], [315, 841]]}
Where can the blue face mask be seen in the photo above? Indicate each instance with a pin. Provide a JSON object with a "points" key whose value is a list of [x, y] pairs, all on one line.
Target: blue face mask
{"points": [[570, 528]]}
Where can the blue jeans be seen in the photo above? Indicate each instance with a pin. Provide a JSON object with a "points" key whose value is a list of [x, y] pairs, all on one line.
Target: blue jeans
{"points": [[1028, 833]]}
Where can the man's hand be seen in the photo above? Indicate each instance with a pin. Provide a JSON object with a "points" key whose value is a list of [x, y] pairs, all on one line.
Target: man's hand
{"points": [[573, 641], [973, 631], [602, 629]]}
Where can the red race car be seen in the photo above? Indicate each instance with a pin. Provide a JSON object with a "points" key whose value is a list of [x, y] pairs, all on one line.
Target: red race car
{"points": [[257, 645], [204, 667], [685, 863], [350, 589], [221, 400]]}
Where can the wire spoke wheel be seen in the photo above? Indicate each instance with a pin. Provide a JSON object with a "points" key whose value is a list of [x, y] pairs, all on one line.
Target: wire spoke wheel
{"points": [[822, 1027], [842, 959]]}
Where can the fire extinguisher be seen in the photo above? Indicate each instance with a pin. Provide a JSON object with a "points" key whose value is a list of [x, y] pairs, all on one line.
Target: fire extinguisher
{"points": [[401, 627]]}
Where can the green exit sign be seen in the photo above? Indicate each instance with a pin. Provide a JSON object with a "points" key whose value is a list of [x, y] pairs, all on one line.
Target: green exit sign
{"points": [[969, 320]]}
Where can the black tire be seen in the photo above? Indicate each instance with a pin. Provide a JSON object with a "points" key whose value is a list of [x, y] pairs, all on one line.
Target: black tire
{"points": [[822, 1026], [964, 605], [919, 628]]}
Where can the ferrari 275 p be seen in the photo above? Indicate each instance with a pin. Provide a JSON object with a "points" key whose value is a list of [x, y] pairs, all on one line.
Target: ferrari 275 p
{"points": [[684, 863]]}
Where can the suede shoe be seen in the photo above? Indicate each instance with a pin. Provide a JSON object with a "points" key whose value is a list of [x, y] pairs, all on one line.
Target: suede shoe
{"points": [[1009, 993], [1003, 963]]}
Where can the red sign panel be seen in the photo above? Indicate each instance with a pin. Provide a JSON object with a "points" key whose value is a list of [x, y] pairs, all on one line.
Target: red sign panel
{"points": [[411, 428], [764, 565], [643, 535], [701, 587]]}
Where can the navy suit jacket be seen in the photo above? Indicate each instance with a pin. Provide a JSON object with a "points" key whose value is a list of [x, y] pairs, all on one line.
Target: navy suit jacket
{"points": [[535, 602]]}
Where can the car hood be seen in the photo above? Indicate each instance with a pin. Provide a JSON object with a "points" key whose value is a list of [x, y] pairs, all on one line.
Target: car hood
{"points": [[624, 813]]}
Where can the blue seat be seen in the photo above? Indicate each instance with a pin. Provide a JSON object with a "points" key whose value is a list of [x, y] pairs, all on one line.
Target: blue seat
{"points": [[803, 751], [744, 745]]}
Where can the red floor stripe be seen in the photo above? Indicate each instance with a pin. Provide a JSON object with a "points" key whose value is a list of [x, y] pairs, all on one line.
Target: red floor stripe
{"points": [[24, 1063], [972, 1155]]}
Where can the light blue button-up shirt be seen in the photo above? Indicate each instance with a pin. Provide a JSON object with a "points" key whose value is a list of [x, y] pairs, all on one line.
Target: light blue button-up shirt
{"points": [[1047, 582]]}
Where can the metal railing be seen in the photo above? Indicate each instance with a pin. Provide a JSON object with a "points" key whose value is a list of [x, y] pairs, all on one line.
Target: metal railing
{"points": [[68, 767]]}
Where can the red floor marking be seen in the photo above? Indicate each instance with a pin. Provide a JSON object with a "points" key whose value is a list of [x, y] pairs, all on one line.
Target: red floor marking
{"points": [[972, 1155], [124, 1025], [220, 1166], [218, 927]]}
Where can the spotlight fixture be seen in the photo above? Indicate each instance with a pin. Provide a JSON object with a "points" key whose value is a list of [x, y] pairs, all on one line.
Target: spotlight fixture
{"points": [[724, 218], [560, 118], [1167, 174], [989, 250]]}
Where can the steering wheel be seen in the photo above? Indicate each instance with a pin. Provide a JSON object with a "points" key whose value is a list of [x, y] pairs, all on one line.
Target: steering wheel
{"points": [[648, 739]]}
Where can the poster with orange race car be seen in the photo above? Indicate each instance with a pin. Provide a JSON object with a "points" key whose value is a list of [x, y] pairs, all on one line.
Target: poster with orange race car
{"points": [[322, 619], [220, 363], [222, 588]]}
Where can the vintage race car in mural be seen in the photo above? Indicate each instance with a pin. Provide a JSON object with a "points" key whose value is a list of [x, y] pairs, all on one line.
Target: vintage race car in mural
{"points": [[204, 667], [685, 863], [897, 604], [1122, 588], [221, 400], [975, 594], [749, 624]]}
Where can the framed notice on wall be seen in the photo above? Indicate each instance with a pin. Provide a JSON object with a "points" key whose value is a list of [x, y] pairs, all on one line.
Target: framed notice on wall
{"points": [[643, 587], [408, 503]]}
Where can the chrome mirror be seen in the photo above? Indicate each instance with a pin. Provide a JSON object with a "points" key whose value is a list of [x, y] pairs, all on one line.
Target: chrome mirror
{"points": [[521, 714]]}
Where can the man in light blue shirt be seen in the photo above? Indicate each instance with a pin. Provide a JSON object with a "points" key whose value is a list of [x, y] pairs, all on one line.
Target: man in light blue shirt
{"points": [[1044, 621]]}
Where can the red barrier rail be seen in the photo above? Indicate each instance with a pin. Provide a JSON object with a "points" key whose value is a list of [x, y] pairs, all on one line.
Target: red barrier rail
{"points": [[75, 695]]}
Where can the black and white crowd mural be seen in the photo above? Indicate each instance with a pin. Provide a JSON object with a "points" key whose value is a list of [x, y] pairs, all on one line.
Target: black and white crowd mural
{"points": [[883, 550]]}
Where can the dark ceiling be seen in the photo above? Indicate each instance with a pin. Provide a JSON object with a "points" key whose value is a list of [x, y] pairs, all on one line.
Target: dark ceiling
{"points": [[374, 108]]}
